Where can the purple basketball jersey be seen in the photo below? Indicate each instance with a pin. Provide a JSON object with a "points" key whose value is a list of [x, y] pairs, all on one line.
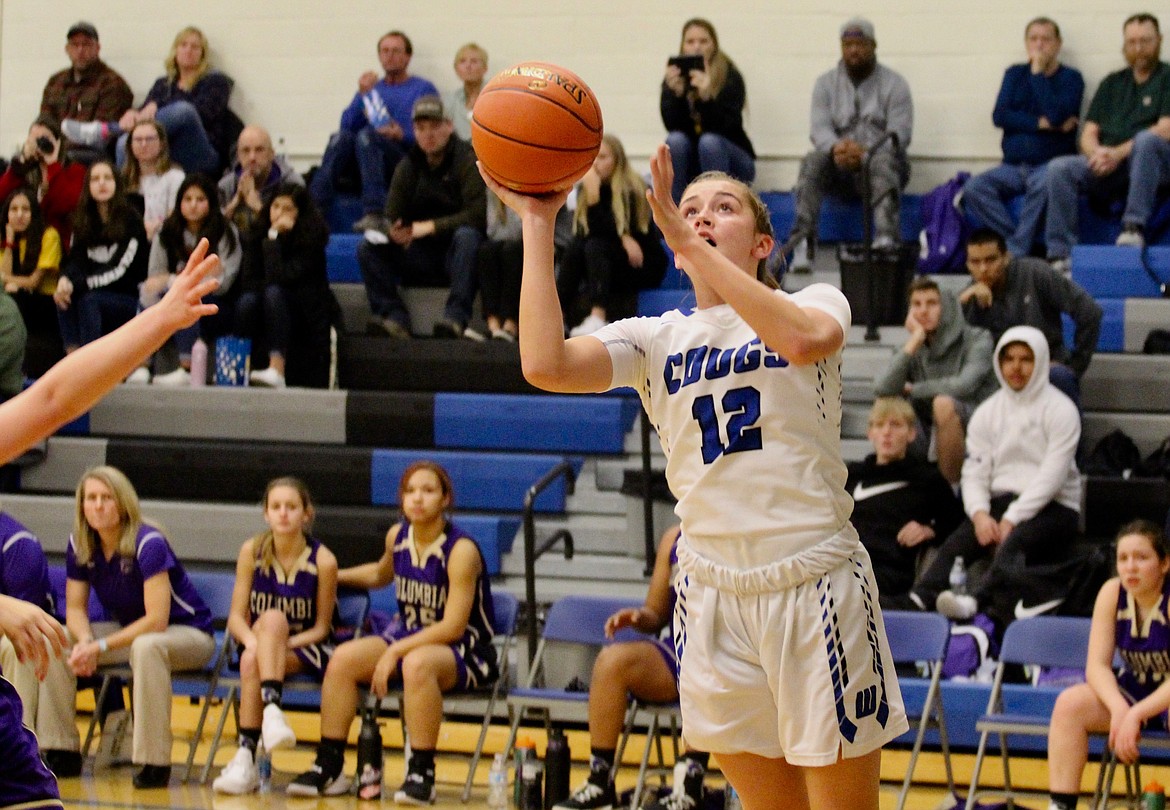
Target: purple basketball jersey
{"points": [[24, 572], [25, 782], [421, 584], [293, 593], [1144, 649]]}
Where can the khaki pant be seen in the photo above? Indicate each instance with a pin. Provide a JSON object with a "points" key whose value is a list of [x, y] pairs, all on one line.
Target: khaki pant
{"points": [[152, 658], [49, 705]]}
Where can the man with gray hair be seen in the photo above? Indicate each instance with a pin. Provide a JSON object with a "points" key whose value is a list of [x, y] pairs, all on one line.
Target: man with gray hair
{"points": [[853, 106]]}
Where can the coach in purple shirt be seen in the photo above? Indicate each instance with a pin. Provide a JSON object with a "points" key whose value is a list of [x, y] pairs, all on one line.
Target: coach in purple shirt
{"points": [[161, 624]]}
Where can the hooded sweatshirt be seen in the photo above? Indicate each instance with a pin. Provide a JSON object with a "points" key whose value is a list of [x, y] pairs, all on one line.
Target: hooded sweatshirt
{"points": [[1023, 442], [955, 360]]}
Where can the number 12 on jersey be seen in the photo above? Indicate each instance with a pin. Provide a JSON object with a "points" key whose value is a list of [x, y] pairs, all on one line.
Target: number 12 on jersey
{"points": [[739, 410]]}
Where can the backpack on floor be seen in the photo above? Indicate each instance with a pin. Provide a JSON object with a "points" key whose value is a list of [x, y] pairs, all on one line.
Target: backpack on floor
{"points": [[943, 239]]}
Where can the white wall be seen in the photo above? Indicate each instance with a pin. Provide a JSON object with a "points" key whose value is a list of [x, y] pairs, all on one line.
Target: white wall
{"points": [[296, 62]]}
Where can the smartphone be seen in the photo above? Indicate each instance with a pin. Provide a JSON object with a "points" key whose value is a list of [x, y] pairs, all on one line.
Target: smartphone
{"points": [[686, 64], [45, 145]]}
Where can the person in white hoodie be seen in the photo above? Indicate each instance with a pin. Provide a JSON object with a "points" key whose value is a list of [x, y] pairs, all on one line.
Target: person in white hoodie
{"points": [[1020, 483]]}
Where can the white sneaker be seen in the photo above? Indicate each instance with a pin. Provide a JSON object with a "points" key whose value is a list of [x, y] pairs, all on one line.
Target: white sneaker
{"points": [[955, 606], [174, 379], [267, 378], [87, 133], [588, 326], [473, 334], [1062, 265], [139, 376], [1132, 236], [800, 262], [239, 776], [275, 729]]}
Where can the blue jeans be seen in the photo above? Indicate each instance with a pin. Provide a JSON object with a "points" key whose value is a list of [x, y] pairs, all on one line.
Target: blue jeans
{"points": [[709, 153], [189, 145], [985, 197], [94, 313], [375, 157], [265, 315], [1147, 167], [433, 261]]}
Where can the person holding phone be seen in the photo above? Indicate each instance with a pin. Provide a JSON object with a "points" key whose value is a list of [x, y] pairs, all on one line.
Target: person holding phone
{"points": [[57, 181], [703, 97]]}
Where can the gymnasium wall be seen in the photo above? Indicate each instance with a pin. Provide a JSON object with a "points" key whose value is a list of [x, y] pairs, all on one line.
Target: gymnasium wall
{"points": [[296, 62]]}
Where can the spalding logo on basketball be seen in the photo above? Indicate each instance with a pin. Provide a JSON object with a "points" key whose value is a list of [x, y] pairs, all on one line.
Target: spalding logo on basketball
{"points": [[536, 127]]}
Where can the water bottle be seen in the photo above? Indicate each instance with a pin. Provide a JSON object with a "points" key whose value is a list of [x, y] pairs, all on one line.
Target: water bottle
{"points": [[731, 799], [958, 577], [369, 752], [1153, 797], [199, 363], [498, 784], [525, 751], [264, 768], [530, 792], [556, 769]]}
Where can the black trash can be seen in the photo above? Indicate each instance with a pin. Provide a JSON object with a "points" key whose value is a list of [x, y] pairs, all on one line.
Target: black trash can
{"points": [[893, 269]]}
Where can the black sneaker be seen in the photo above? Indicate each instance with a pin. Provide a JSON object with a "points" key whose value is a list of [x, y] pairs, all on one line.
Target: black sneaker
{"points": [[315, 782], [152, 776], [445, 328], [590, 796], [687, 792], [63, 764], [419, 788]]}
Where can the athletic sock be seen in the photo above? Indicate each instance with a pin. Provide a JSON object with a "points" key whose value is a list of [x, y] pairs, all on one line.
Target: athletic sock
{"points": [[331, 755], [601, 765], [701, 758], [422, 760], [271, 692], [1062, 801], [250, 739]]}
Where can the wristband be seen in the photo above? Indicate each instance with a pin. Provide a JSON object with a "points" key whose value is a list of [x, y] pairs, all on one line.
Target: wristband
{"points": [[103, 645]]}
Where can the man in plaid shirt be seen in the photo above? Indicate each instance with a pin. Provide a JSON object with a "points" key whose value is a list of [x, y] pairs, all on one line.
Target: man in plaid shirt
{"points": [[89, 89]]}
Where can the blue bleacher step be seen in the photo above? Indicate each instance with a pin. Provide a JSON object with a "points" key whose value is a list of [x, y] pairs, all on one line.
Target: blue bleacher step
{"points": [[489, 481], [576, 424], [1108, 271], [341, 258]]}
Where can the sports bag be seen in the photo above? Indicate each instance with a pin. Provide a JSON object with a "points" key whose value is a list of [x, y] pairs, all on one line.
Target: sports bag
{"points": [[943, 239]]}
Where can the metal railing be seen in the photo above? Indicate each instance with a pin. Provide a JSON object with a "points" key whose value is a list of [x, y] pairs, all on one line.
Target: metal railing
{"points": [[532, 553]]}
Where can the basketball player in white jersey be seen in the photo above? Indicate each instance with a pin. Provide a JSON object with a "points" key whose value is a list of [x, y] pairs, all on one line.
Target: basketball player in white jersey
{"points": [[785, 670]]}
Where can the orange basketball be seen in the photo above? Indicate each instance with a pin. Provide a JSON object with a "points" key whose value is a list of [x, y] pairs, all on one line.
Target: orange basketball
{"points": [[536, 127]]}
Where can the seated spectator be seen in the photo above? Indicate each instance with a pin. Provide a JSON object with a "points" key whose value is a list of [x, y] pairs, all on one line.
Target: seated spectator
{"points": [[30, 261], [1021, 487], [160, 623], [1009, 290], [375, 132], [282, 620], [646, 669], [501, 259], [190, 101], [435, 217], [258, 171], [443, 641], [196, 217], [471, 64], [1125, 145], [57, 180], [98, 288], [285, 303], [87, 91], [854, 105], [13, 337], [1038, 109], [616, 250], [901, 505], [703, 111], [148, 172], [944, 369], [24, 574], [1130, 621]]}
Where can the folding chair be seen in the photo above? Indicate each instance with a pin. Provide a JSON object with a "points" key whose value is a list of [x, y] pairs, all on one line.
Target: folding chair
{"points": [[216, 588], [574, 632], [662, 716], [921, 638], [507, 607], [352, 606], [1043, 641], [1150, 740]]}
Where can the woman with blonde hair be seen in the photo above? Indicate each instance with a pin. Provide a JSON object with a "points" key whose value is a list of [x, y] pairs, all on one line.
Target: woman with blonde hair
{"points": [[471, 64], [159, 622], [281, 618], [616, 249], [702, 109], [191, 102]]}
